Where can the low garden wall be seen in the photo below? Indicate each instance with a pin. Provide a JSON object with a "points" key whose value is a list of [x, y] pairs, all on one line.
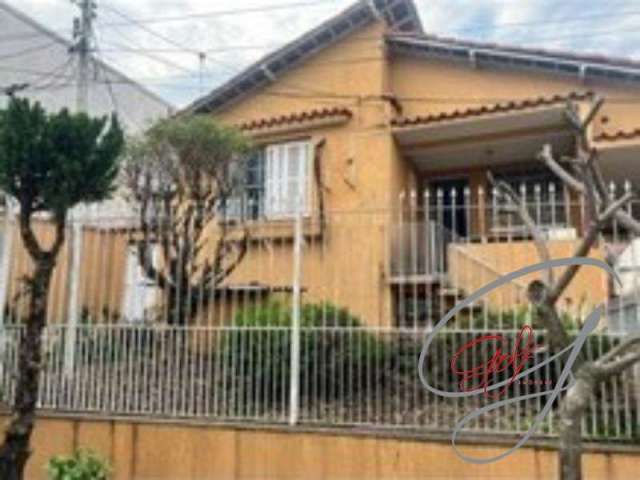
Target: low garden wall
{"points": [[197, 451]]}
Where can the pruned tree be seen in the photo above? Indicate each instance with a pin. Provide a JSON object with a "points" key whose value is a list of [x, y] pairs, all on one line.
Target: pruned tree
{"points": [[582, 175], [48, 163], [182, 176]]}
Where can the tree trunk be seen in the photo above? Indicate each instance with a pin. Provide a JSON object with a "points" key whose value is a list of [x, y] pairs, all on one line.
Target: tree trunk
{"points": [[571, 412], [15, 452]]}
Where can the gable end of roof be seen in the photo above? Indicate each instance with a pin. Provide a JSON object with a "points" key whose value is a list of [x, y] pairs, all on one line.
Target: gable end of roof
{"points": [[399, 15]]}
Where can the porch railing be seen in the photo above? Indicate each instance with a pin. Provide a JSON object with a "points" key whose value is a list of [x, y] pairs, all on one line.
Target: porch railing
{"points": [[419, 248]]}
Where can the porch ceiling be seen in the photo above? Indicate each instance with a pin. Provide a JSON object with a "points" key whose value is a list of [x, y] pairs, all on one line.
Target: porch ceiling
{"points": [[473, 142], [620, 161]]}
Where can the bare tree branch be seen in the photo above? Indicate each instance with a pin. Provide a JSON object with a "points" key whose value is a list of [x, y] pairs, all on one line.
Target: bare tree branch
{"points": [[620, 349], [547, 158], [614, 207], [585, 247], [596, 106], [617, 366], [521, 209], [570, 272]]}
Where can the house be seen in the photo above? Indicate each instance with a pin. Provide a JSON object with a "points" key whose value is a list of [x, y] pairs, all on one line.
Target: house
{"points": [[367, 106], [380, 137]]}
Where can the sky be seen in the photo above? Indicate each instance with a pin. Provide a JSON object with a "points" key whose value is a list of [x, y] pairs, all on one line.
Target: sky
{"points": [[160, 47]]}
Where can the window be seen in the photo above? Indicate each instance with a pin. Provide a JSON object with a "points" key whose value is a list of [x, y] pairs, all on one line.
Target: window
{"points": [[275, 183], [248, 200], [286, 179], [141, 292]]}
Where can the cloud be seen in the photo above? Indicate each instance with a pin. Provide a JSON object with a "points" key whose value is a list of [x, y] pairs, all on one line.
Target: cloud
{"points": [[173, 68]]}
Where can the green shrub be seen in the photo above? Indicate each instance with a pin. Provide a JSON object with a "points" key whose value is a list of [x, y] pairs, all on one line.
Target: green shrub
{"points": [[510, 319], [82, 465], [337, 356]]}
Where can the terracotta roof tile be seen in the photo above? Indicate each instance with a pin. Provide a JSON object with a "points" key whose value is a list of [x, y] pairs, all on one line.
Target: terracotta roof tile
{"points": [[298, 117], [521, 104], [617, 135]]}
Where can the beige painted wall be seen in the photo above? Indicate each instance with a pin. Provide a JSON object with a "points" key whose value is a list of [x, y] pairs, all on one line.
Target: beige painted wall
{"points": [[179, 452], [588, 289], [102, 273], [453, 84]]}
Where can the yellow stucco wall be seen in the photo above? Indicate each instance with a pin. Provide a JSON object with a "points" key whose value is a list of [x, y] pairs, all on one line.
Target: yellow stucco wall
{"points": [[180, 452], [455, 86], [588, 289]]}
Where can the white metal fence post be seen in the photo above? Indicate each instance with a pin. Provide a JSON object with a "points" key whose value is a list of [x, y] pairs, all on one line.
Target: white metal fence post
{"points": [[294, 398], [5, 271], [73, 313]]}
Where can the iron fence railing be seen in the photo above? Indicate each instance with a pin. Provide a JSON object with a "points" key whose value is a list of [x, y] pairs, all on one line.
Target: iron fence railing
{"points": [[347, 377], [322, 320]]}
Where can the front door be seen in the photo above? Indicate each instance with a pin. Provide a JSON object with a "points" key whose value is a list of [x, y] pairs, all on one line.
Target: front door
{"points": [[448, 206]]}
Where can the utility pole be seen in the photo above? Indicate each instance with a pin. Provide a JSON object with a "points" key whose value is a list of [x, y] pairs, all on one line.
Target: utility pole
{"points": [[83, 34]]}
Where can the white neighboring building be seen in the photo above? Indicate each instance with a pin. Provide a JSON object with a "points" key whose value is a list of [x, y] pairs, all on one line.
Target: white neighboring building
{"points": [[34, 55]]}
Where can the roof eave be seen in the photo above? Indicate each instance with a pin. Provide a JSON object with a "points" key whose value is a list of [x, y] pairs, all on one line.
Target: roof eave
{"points": [[583, 69], [400, 13]]}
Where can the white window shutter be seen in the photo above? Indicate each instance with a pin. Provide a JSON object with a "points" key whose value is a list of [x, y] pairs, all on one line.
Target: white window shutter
{"points": [[286, 179]]}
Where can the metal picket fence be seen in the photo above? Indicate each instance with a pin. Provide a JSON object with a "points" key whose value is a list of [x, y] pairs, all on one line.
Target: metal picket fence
{"points": [[322, 322], [364, 377]]}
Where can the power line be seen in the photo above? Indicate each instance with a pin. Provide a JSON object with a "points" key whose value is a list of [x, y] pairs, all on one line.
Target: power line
{"points": [[222, 13], [30, 50], [320, 95], [268, 8], [165, 61], [142, 26], [53, 76], [201, 55], [227, 12]]}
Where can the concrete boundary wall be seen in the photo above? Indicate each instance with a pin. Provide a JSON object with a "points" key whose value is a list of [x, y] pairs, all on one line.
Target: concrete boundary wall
{"points": [[174, 451]]}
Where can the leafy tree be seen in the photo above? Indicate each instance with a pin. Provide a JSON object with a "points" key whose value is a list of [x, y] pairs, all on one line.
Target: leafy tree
{"points": [[181, 175], [48, 164]]}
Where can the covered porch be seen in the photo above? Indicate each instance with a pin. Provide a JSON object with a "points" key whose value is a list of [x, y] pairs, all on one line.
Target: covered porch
{"points": [[455, 232], [451, 156]]}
